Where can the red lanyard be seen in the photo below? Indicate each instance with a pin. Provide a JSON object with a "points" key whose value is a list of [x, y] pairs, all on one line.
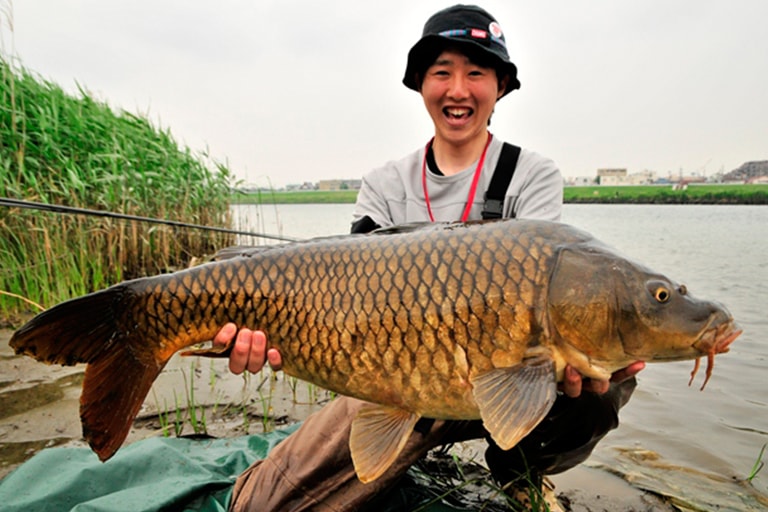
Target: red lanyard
{"points": [[472, 189]]}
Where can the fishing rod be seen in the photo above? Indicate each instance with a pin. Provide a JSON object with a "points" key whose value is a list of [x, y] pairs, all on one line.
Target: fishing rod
{"points": [[18, 203]]}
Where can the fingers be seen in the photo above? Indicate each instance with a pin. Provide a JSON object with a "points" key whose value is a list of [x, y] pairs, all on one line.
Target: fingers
{"points": [[225, 335], [572, 382], [628, 372], [248, 352], [275, 359], [257, 356], [241, 351], [595, 386]]}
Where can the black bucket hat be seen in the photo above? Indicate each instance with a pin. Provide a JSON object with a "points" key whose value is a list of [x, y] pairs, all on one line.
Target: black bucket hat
{"points": [[468, 27]]}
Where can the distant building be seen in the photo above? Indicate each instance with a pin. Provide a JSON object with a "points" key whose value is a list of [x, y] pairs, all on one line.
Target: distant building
{"points": [[687, 179], [339, 184], [307, 185], [617, 173], [747, 171], [642, 178], [581, 181], [620, 177], [611, 176]]}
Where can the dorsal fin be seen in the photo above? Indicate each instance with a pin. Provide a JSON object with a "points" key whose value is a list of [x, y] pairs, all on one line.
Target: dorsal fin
{"points": [[237, 251]]}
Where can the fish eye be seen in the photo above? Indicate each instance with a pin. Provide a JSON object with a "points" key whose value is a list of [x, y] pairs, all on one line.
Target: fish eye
{"points": [[662, 290], [662, 294]]}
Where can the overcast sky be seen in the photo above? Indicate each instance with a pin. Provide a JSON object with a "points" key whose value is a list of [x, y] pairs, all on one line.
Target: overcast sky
{"points": [[291, 91]]}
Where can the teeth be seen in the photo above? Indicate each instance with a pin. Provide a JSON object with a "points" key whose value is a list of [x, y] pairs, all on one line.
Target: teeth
{"points": [[456, 112]]}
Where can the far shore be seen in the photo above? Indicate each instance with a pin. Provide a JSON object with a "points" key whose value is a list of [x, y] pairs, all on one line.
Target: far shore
{"points": [[638, 194]]}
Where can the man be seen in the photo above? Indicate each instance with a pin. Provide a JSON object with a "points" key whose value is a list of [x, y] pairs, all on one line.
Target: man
{"points": [[461, 68]]}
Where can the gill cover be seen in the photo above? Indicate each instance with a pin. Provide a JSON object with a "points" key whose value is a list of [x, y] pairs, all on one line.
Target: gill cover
{"points": [[583, 301]]}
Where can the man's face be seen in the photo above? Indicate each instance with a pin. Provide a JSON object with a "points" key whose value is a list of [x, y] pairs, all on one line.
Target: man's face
{"points": [[460, 97]]}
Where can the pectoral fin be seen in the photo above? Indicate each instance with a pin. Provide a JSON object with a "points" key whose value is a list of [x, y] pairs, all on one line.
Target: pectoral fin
{"points": [[378, 436], [214, 351], [512, 401]]}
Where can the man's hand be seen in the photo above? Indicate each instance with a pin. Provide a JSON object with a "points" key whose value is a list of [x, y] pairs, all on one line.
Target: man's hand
{"points": [[249, 351], [573, 384]]}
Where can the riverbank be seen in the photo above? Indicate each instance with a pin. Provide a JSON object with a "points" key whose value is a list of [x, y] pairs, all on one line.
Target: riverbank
{"points": [[45, 402], [640, 194]]}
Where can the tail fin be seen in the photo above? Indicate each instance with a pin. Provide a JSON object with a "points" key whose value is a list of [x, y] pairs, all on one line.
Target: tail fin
{"points": [[76, 331], [119, 373]]}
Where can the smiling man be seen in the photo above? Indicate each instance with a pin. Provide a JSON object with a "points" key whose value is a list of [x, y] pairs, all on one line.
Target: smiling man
{"points": [[461, 68]]}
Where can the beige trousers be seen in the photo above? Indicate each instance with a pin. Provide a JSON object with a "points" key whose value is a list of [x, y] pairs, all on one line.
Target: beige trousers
{"points": [[312, 468]]}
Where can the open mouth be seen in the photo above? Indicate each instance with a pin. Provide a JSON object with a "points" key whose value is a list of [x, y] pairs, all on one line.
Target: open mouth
{"points": [[458, 113]]}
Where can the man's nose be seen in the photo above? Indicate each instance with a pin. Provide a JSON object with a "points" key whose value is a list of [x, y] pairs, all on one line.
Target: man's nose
{"points": [[458, 88]]}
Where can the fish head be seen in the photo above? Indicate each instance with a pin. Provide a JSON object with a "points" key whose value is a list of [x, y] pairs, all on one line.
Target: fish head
{"points": [[614, 310], [662, 321]]}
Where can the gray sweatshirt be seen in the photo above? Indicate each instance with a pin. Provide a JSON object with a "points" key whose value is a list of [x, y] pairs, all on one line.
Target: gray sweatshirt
{"points": [[394, 194]]}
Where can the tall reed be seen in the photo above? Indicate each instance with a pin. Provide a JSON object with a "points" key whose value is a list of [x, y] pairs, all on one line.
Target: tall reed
{"points": [[72, 150]]}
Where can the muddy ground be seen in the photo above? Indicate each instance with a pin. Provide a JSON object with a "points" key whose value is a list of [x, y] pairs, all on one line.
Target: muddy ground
{"points": [[39, 409]]}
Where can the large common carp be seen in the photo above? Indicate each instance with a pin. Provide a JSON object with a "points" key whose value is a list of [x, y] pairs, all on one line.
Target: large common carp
{"points": [[456, 321]]}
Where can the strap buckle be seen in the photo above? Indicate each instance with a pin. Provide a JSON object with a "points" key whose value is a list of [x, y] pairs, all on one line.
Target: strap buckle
{"points": [[493, 208]]}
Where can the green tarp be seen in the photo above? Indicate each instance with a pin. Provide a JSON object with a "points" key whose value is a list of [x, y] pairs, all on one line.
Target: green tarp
{"points": [[154, 474], [159, 474]]}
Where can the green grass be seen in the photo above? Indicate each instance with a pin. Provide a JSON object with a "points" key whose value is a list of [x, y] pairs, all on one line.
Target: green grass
{"points": [[664, 194], [295, 197], [444, 478], [656, 194], [758, 465], [75, 151]]}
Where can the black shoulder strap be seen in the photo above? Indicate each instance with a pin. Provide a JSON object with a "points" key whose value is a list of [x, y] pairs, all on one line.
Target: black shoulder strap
{"points": [[493, 207]]}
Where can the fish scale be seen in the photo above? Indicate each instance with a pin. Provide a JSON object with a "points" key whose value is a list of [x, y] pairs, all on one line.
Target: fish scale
{"points": [[457, 321], [326, 305]]}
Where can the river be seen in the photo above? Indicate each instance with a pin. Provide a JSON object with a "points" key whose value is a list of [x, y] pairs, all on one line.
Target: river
{"points": [[673, 439]]}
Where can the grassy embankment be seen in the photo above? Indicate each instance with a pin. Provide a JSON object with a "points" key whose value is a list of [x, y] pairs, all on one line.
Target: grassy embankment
{"points": [[76, 151], [657, 194], [664, 194]]}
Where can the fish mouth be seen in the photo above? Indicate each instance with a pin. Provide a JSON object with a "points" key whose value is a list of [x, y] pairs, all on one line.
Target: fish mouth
{"points": [[715, 340]]}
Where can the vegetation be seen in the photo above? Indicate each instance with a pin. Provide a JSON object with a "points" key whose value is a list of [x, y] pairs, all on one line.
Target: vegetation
{"points": [[295, 197], [75, 151], [758, 465], [651, 194], [665, 194]]}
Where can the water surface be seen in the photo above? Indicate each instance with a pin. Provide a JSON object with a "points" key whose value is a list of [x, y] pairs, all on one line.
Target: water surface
{"points": [[673, 438]]}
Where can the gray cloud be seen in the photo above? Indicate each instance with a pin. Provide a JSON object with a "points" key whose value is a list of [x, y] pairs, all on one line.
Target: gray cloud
{"points": [[300, 91]]}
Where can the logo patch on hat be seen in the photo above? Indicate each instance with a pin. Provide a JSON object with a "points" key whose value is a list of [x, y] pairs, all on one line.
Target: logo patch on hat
{"points": [[495, 30], [478, 34]]}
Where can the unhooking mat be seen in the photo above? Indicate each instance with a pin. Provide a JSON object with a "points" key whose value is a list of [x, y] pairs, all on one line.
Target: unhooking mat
{"points": [[158, 474]]}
